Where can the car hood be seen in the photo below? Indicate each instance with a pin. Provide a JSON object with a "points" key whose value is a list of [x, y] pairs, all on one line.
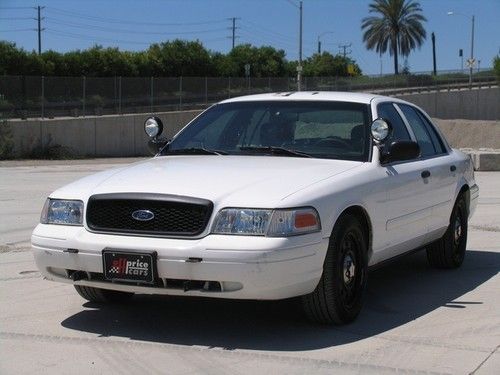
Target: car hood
{"points": [[252, 181]]}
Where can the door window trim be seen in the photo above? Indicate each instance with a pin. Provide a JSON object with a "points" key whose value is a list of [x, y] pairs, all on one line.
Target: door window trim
{"points": [[435, 155], [405, 121], [436, 129]]}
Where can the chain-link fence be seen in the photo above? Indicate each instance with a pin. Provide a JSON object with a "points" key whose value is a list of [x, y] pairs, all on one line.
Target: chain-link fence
{"points": [[47, 97]]}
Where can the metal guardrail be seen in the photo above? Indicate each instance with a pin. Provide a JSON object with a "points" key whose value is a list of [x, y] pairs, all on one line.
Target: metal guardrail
{"points": [[48, 97]]}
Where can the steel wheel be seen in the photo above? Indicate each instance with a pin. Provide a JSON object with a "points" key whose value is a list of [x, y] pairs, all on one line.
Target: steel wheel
{"points": [[449, 250], [350, 279], [338, 297]]}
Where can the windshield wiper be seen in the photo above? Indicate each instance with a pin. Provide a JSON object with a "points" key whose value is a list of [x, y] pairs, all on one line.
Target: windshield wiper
{"points": [[195, 151], [276, 151]]}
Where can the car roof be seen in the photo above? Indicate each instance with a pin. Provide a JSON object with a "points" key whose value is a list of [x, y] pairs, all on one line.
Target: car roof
{"points": [[336, 96]]}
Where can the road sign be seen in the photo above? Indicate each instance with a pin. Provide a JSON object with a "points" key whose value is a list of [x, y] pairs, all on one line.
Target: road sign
{"points": [[471, 63], [247, 70]]}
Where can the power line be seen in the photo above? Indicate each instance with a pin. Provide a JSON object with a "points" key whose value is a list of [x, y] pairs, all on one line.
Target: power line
{"points": [[91, 38], [114, 30], [115, 20], [16, 18], [292, 3], [67, 34], [266, 39], [251, 38], [10, 8], [268, 31], [16, 30]]}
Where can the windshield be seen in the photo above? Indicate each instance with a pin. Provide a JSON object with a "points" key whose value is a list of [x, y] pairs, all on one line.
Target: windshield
{"points": [[336, 130]]}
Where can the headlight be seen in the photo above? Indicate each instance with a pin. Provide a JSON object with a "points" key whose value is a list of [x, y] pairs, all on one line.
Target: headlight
{"points": [[59, 211], [272, 223]]}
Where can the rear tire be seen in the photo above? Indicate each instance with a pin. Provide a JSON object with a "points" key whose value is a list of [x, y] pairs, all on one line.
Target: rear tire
{"points": [[338, 296], [449, 250], [102, 295]]}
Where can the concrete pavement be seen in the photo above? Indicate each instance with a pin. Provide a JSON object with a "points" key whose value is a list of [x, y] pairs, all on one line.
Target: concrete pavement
{"points": [[415, 319]]}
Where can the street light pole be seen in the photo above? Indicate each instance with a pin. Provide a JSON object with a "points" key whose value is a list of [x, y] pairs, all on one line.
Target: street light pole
{"points": [[471, 51], [319, 40]]}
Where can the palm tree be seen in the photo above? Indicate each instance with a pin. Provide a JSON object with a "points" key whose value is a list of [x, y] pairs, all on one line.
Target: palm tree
{"points": [[397, 26]]}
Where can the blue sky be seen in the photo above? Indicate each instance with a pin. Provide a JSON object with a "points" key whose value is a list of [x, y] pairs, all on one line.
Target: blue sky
{"points": [[132, 25]]}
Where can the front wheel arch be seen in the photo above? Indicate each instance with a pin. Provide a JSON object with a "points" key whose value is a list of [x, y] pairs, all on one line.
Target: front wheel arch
{"points": [[362, 215], [465, 192]]}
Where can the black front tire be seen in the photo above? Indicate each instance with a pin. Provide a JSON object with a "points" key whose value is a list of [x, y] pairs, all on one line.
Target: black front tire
{"points": [[338, 297], [102, 295], [449, 250]]}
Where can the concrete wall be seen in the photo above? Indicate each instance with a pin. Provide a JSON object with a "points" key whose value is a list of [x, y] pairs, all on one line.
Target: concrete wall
{"points": [[476, 104], [92, 136], [474, 134], [124, 135]]}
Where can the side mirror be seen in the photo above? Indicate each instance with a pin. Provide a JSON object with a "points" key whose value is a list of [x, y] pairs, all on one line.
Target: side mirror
{"points": [[380, 129], [153, 127], [401, 151], [155, 145]]}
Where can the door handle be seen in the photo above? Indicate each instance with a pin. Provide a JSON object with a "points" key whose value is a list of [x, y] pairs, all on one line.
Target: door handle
{"points": [[453, 168], [425, 174]]}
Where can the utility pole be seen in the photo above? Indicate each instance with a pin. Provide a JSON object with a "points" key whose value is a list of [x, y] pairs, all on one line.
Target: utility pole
{"points": [[319, 46], [470, 62], [433, 53], [39, 19], [299, 68], [345, 47], [461, 55], [233, 28]]}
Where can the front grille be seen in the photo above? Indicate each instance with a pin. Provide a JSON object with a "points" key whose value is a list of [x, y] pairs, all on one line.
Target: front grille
{"points": [[173, 215]]}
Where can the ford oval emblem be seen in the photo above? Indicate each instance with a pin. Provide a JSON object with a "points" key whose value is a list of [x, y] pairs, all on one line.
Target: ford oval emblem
{"points": [[143, 215]]}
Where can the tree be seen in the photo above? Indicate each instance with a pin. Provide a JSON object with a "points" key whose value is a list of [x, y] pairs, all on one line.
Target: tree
{"points": [[264, 61], [397, 26], [327, 65], [179, 58], [12, 59]]}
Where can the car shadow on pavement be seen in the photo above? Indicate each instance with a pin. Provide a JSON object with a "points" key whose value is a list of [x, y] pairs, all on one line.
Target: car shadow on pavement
{"points": [[397, 294]]}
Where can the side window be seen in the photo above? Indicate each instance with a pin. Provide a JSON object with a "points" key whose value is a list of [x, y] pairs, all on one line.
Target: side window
{"points": [[388, 112], [435, 137], [424, 139]]}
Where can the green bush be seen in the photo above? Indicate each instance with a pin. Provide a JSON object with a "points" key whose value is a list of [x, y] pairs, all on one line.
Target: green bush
{"points": [[496, 67], [52, 152], [96, 101], [6, 141]]}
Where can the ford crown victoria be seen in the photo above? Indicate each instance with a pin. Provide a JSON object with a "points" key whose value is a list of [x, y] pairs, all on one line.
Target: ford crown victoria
{"points": [[265, 197]]}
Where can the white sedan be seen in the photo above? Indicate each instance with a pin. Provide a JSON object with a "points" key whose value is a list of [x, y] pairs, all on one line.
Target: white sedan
{"points": [[266, 197]]}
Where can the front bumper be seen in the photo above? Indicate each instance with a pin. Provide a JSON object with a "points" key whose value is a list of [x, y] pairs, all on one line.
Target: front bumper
{"points": [[246, 267]]}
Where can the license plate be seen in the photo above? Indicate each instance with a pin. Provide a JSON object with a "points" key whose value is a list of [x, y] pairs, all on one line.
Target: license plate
{"points": [[129, 266]]}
